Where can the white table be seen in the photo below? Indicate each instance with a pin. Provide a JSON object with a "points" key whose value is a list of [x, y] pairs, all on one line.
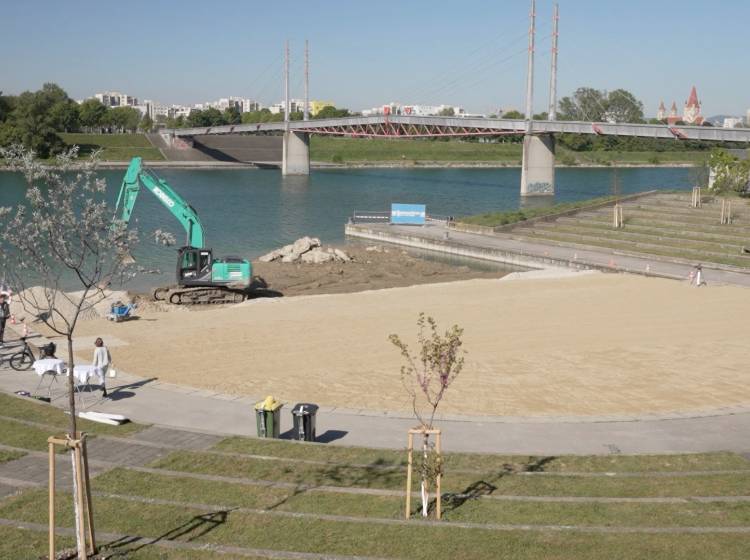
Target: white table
{"points": [[49, 368], [53, 365], [85, 373]]}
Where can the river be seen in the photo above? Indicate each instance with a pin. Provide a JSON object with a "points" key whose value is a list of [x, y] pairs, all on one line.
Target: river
{"points": [[248, 212]]}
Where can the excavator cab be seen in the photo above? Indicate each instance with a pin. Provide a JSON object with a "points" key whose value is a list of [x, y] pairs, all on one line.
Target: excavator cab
{"points": [[194, 266], [197, 267]]}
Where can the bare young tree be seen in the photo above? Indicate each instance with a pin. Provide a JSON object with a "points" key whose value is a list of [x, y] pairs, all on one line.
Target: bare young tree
{"points": [[62, 236], [426, 378]]}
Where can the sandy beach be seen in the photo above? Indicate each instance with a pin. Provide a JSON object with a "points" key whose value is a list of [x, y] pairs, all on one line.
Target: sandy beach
{"points": [[592, 344]]}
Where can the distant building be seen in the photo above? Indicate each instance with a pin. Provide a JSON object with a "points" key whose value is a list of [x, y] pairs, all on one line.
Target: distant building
{"points": [[747, 118], [732, 122], [295, 106], [116, 99], [316, 106], [414, 110], [691, 112]]}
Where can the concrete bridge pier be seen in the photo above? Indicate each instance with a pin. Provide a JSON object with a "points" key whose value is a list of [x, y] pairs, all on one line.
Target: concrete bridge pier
{"points": [[296, 153], [538, 166]]}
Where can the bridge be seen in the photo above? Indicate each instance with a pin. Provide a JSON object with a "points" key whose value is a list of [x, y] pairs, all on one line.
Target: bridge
{"points": [[539, 142], [538, 163]]}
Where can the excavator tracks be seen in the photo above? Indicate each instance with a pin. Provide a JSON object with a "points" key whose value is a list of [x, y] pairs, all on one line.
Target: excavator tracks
{"points": [[197, 296]]}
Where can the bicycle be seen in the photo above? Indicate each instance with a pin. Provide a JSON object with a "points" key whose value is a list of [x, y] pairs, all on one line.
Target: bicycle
{"points": [[21, 360]]}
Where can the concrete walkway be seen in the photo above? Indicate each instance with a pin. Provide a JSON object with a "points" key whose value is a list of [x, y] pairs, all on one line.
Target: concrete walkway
{"points": [[504, 248], [152, 402]]}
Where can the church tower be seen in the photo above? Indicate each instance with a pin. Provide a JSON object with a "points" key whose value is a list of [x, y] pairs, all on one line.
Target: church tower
{"points": [[661, 114], [673, 116], [691, 114]]}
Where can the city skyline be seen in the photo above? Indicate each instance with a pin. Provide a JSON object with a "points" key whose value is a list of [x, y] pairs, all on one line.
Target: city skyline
{"points": [[429, 53]]}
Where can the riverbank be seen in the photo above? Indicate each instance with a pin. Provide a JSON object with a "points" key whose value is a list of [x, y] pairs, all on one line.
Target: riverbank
{"points": [[581, 345]]}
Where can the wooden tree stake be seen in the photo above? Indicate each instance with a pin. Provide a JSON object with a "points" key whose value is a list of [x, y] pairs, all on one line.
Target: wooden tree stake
{"points": [[410, 465]]}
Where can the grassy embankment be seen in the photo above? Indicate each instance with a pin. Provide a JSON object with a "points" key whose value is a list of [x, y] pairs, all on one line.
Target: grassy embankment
{"points": [[115, 147], [314, 498], [349, 150], [662, 225], [494, 219], [122, 147]]}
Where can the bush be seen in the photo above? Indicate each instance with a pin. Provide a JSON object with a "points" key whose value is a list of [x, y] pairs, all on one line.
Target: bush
{"points": [[336, 158]]}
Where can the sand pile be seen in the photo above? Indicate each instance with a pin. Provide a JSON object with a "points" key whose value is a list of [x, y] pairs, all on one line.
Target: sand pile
{"points": [[36, 303]]}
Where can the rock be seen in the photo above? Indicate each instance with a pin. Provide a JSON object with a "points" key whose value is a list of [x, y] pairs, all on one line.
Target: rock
{"points": [[316, 256], [272, 256], [375, 248], [304, 244], [290, 258], [340, 255]]}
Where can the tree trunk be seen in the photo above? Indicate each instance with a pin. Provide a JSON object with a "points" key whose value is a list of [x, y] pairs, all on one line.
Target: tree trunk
{"points": [[71, 389], [425, 493], [78, 514]]}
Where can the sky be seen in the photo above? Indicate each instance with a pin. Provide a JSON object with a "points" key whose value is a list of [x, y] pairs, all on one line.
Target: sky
{"points": [[363, 54]]}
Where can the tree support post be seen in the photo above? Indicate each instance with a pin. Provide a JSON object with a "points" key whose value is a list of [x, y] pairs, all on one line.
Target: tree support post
{"points": [[82, 497], [425, 433]]}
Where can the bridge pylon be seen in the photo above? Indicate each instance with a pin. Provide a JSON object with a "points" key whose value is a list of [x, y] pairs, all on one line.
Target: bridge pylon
{"points": [[538, 165], [296, 153]]}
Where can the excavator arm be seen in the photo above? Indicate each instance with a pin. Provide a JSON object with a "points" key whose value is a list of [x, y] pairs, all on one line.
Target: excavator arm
{"points": [[136, 177]]}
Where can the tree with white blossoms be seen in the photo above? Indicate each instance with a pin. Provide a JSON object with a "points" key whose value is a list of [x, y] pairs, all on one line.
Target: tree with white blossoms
{"points": [[62, 235], [426, 378]]}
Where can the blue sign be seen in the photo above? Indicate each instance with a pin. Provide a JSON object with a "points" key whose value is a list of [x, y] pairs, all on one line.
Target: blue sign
{"points": [[413, 214]]}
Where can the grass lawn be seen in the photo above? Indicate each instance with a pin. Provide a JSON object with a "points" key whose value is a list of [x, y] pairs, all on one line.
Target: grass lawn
{"points": [[116, 147], [6, 456], [178, 503], [21, 408], [500, 478], [494, 219], [305, 534], [483, 461]]}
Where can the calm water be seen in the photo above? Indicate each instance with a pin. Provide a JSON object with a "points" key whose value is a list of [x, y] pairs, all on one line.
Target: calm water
{"points": [[249, 212]]}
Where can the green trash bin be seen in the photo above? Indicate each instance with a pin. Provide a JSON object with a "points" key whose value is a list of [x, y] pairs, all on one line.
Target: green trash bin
{"points": [[268, 418]]}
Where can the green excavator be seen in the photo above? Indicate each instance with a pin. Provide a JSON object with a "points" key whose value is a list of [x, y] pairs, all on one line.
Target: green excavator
{"points": [[201, 278]]}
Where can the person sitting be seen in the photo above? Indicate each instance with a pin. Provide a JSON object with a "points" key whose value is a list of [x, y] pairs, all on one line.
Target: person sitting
{"points": [[48, 350]]}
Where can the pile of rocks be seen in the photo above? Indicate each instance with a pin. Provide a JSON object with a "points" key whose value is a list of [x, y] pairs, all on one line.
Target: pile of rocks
{"points": [[306, 250]]}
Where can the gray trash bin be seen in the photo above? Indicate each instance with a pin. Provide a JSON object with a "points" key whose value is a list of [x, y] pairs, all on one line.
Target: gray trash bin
{"points": [[303, 415]]}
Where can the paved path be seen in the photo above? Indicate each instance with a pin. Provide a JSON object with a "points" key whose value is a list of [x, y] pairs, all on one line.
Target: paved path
{"points": [[535, 253], [166, 405]]}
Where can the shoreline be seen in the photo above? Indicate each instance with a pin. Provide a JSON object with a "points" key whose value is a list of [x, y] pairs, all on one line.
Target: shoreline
{"points": [[211, 165]]}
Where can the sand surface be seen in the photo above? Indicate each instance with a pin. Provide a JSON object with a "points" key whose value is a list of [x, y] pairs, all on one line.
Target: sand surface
{"points": [[595, 344]]}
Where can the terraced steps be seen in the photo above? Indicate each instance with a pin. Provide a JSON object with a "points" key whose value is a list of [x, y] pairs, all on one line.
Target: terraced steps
{"points": [[658, 225]]}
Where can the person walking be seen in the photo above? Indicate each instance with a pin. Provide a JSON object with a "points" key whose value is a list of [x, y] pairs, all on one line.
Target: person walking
{"points": [[4, 314], [102, 360], [699, 276]]}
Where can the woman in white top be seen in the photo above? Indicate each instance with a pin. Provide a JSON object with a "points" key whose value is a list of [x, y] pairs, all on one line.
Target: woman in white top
{"points": [[102, 359]]}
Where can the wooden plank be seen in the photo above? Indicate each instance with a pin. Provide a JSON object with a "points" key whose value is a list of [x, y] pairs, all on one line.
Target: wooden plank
{"points": [[410, 448], [51, 499], [87, 492]]}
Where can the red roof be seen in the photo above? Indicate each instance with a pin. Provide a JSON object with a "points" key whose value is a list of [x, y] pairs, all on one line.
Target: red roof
{"points": [[693, 99]]}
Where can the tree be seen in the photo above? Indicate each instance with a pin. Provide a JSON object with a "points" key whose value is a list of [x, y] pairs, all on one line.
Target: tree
{"points": [[586, 104], [622, 106], [124, 118], [175, 122], [146, 124], [730, 174], [515, 115], [331, 112], [447, 112], [91, 114], [65, 116], [31, 125], [62, 236], [427, 377], [232, 115]]}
